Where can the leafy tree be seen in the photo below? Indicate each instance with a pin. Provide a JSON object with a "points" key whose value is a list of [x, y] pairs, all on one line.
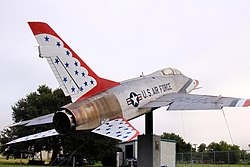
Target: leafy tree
{"points": [[224, 150], [181, 145], [45, 101], [202, 147], [214, 147]]}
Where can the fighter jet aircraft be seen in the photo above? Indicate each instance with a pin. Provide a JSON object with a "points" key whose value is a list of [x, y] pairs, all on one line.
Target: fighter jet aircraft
{"points": [[104, 106]]}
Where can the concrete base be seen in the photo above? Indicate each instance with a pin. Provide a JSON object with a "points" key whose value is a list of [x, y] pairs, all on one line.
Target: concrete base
{"points": [[149, 151]]}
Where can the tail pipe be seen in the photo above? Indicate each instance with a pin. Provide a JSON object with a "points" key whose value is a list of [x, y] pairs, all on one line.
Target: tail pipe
{"points": [[64, 122]]}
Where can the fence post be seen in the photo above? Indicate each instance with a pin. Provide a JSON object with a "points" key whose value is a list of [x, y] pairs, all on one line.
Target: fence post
{"points": [[245, 152], [182, 159], [202, 159], [191, 161], [74, 161], [228, 159], [214, 158], [21, 163]]}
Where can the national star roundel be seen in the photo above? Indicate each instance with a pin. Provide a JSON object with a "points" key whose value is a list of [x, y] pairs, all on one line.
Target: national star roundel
{"points": [[134, 99]]}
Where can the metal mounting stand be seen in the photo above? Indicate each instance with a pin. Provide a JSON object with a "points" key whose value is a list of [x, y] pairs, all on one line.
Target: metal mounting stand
{"points": [[149, 123], [149, 145]]}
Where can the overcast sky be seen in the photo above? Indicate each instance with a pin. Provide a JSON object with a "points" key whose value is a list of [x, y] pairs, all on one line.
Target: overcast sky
{"points": [[206, 40]]}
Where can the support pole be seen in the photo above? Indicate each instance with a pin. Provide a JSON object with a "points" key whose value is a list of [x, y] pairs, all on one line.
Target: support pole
{"points": [[21, 163], [149, 145], [74, 161], [149, 123]]}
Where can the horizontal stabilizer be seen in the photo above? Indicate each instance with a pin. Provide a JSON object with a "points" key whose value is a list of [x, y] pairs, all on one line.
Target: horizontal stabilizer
{"points": [[119, 129], [40, 135], [45, 119]]}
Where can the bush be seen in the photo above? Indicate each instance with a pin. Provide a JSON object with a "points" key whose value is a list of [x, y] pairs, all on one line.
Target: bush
{"points": [[109, 160]]}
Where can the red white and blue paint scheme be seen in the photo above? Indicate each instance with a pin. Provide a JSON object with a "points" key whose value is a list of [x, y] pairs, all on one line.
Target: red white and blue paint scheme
{"points": [[104, 106]]}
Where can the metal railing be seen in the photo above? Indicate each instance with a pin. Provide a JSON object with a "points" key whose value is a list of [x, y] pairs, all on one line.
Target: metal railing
{"points": [[214, 159]]}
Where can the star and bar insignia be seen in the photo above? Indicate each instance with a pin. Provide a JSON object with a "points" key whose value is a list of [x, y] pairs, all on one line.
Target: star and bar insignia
{"points": [[134, 99]]}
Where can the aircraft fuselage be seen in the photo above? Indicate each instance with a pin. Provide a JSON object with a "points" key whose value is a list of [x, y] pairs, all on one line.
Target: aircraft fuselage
{"points": [[123, 101]]}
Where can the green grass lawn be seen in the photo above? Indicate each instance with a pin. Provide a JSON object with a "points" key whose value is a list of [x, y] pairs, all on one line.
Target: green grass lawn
{"points": [[212, 165], [16, 163]]}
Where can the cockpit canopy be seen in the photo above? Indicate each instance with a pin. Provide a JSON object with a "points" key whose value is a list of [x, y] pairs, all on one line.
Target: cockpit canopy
{"points": [[166, 72], [170, 71]]}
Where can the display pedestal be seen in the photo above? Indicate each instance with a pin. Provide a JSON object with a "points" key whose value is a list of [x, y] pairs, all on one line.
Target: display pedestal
{"points": [[149, 145], [149, 151]]}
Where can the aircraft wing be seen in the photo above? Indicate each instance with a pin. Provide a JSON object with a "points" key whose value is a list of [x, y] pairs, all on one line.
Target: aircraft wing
{"points": [[119, 129], [44, 134], [45, 119], [179, 101]]}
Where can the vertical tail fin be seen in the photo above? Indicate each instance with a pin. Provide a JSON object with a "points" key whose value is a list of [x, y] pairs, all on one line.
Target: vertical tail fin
{"points": [[73, 74]]}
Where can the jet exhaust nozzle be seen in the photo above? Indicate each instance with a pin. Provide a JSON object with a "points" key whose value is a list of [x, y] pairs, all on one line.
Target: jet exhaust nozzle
{"points": [[64, 122]]}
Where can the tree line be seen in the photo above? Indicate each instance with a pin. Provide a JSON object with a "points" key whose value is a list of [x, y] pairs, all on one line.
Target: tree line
{"points": [[45, 101], [223, 151]]}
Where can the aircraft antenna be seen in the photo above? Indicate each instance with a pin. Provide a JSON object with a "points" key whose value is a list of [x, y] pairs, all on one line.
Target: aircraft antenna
{"points": [[142, 75], [228, 126]]}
